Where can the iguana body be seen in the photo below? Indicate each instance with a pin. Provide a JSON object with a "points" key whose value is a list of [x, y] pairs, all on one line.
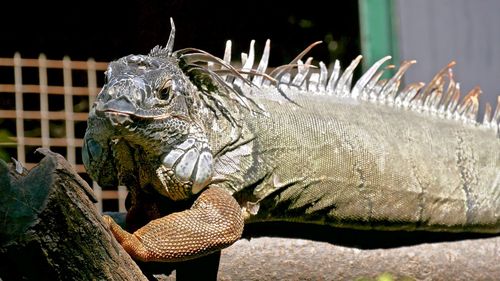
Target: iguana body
{"points": [[331, 161], [287, 145]]}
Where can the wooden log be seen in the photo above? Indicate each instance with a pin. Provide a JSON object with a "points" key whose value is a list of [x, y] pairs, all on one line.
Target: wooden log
{"points": [[51, 230], [267, 259]]}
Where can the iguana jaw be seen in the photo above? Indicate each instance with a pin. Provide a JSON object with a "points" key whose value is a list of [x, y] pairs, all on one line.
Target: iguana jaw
{"points": [[175, 170]]}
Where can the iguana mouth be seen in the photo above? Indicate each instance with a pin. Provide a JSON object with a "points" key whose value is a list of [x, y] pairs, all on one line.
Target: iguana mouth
{"points": [[104, 110], [117, 118]]}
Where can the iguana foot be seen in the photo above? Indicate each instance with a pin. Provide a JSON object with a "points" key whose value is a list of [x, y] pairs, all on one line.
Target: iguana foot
{"points": [[214, 222]]}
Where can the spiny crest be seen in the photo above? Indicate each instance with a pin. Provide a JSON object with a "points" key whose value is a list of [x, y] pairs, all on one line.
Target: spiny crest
{"points": [[440, 97], [216, 93], [166, 51], [220, 82]]}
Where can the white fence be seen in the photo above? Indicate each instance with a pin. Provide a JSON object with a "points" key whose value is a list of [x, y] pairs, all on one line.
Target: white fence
{"points": [[45, 103]]}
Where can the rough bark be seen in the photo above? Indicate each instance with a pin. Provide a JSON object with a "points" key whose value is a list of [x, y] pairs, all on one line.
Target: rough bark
{"points": [[51, 230]]}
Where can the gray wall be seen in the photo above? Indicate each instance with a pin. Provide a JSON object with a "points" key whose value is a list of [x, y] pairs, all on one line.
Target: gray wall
{"points": [[435, 32]]}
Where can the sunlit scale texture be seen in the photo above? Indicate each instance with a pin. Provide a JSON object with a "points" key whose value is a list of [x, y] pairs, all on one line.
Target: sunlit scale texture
{"points": [[370, 155], [340, 168]]}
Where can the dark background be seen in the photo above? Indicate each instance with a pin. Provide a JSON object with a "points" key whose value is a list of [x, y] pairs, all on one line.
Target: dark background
{"points": [[106, 30]]}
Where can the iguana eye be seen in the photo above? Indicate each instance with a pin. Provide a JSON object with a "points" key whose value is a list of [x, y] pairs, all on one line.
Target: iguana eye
{"points": [[164, 92]]}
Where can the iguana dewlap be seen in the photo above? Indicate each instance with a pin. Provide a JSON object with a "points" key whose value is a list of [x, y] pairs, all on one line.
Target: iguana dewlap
{"points": [[204, 147]]}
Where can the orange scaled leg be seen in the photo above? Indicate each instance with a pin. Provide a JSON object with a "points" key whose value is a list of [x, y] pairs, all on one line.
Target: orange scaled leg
{"points": [[212, 223]]}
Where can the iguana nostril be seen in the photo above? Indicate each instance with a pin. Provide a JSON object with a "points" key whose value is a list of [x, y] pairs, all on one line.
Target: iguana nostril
{"points": [[121, 104]]}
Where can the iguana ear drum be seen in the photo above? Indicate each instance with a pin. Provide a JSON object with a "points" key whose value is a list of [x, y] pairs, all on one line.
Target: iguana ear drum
{"points": [[191, 162]]}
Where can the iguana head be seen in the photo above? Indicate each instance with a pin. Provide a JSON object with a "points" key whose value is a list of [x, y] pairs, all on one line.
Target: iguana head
{"points": [[146, 122]]}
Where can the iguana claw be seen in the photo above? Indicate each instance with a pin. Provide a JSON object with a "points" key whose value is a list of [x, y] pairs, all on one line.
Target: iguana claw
{"points": [[214, 222]]}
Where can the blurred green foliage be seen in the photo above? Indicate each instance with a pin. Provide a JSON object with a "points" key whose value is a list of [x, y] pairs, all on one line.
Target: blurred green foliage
{"points": [[5, 141]]}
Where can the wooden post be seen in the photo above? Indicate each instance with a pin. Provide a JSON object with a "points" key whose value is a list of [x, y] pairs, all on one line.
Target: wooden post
{"points": [[51, 230]]}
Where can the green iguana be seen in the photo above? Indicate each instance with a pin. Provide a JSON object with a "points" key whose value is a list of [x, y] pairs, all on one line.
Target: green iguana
{"points": [[205, 147]]}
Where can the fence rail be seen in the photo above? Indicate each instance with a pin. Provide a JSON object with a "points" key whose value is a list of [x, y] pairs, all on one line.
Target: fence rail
{"points": [[45, 103]]}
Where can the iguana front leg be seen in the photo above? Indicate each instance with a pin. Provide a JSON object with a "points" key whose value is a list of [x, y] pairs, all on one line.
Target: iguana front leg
{"points": [[213, 222]]}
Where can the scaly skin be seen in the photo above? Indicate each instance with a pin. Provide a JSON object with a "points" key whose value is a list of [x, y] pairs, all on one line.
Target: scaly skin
{"points": [[219, 225], [361, 165], [238, 144]]}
